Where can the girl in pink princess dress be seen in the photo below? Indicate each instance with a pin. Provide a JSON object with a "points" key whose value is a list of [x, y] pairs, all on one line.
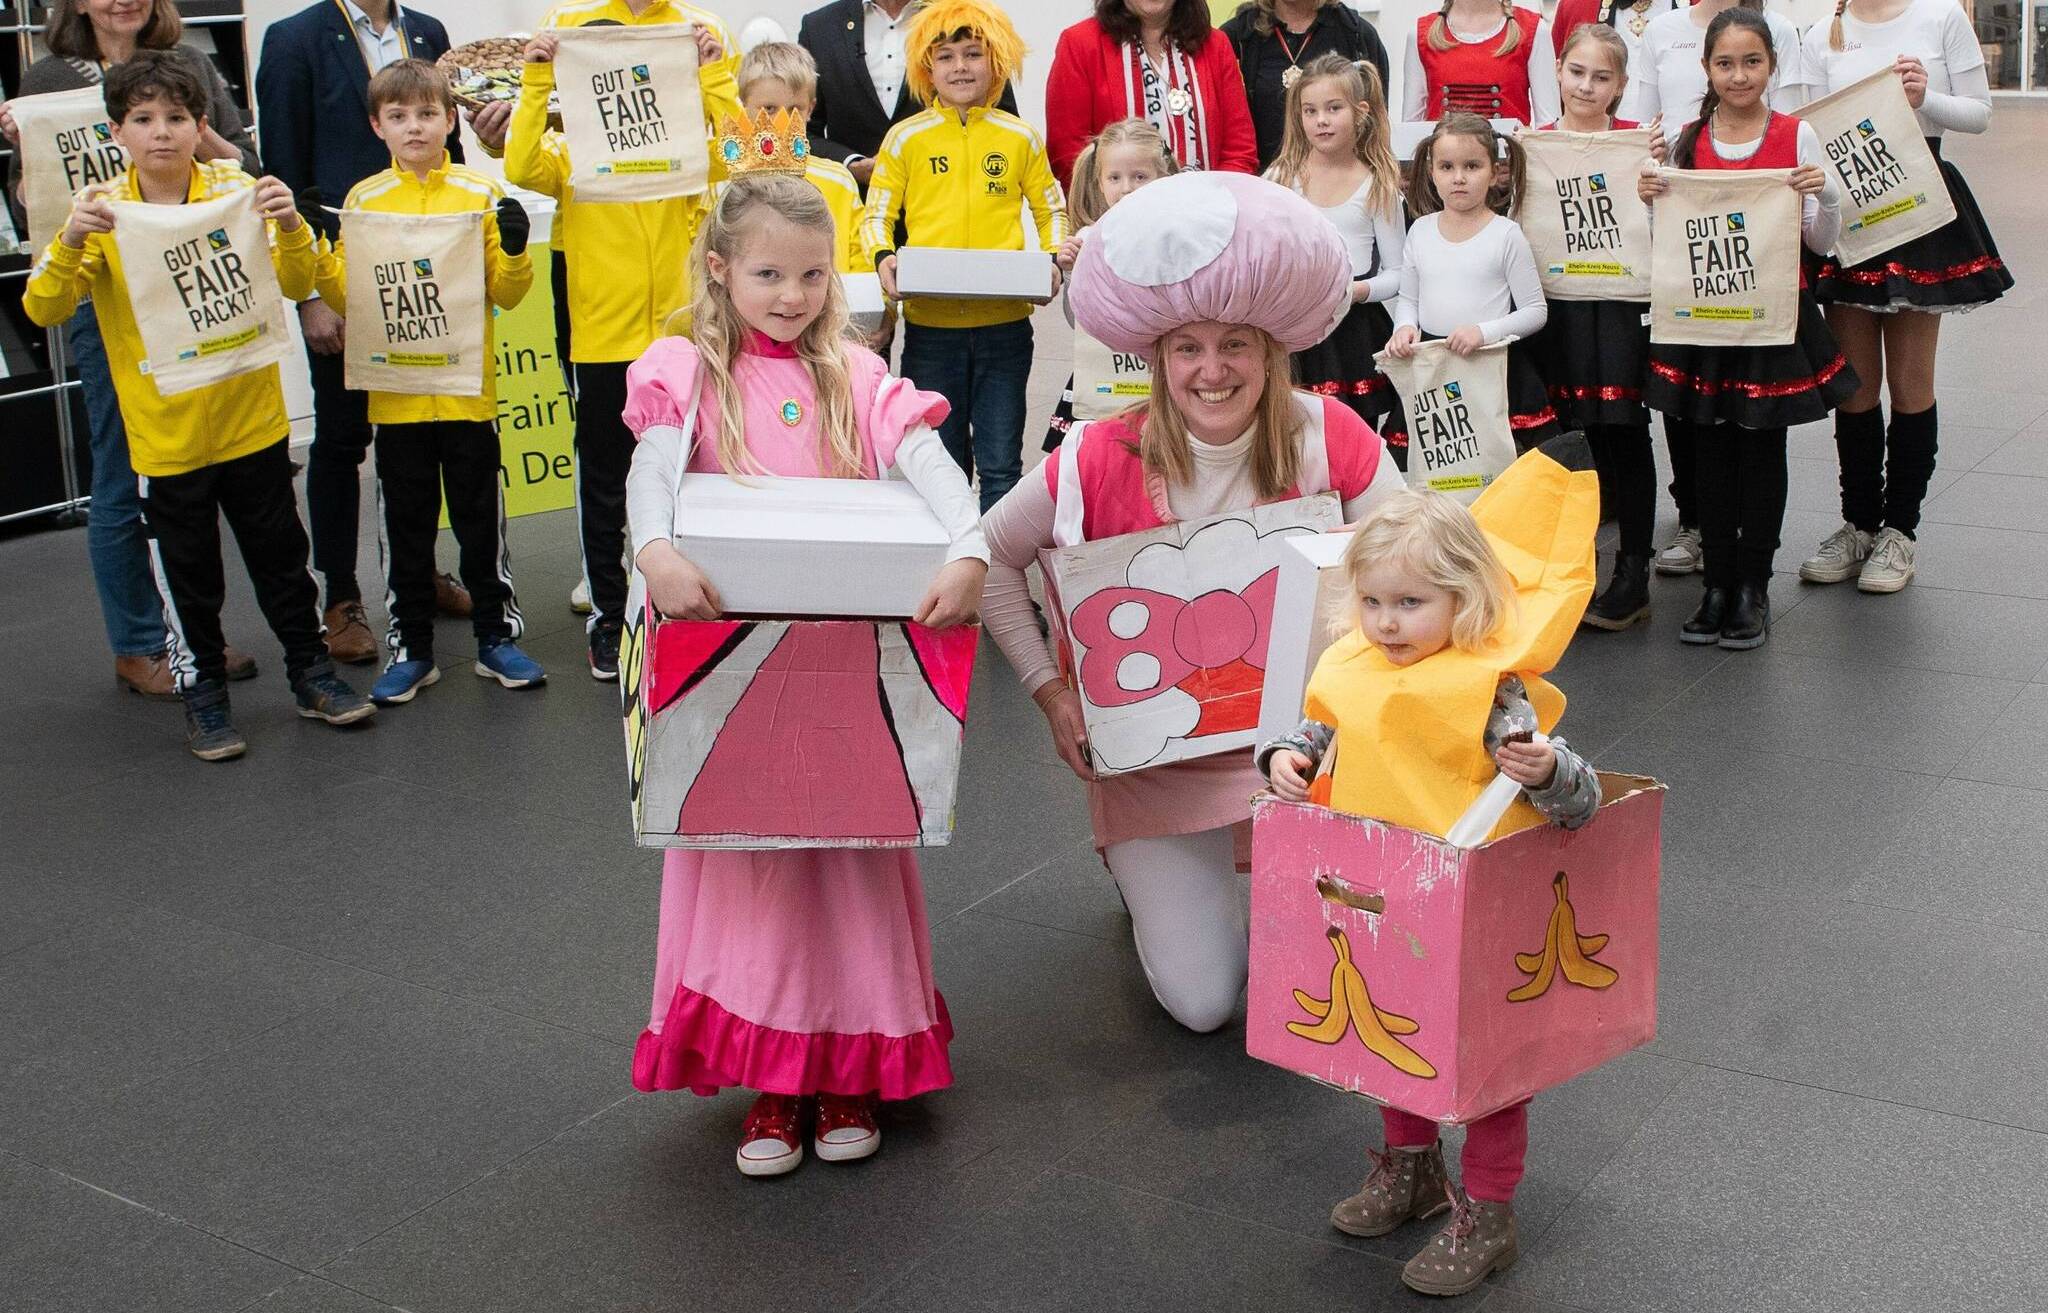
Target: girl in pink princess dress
{"points": [[804, 974]]}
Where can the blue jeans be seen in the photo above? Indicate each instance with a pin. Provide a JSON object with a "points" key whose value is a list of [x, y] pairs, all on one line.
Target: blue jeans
{"points": [[983, 372], [114, 538]]}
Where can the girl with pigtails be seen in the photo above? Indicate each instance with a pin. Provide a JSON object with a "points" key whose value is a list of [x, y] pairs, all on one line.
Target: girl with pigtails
{"points": [[1492, 58], [1886, 311], [1469, 276]]}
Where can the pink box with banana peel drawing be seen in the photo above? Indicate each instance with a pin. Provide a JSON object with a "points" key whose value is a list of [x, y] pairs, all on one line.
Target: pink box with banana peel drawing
{"points": [[1453, 982]]}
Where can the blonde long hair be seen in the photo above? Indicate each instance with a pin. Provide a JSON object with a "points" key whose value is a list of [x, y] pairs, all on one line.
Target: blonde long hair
{"points": [[1370, 140], [1163, 443], [1604, 36], [1436, 536], [720, 333], [1440, 31], [1085, 202]]}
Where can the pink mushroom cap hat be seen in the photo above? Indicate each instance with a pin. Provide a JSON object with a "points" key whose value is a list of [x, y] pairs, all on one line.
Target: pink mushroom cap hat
{"points": [[1222, 247]]}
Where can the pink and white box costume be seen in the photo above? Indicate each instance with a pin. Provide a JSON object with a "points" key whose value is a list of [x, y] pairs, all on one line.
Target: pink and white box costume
{"points": [[798, 970]]}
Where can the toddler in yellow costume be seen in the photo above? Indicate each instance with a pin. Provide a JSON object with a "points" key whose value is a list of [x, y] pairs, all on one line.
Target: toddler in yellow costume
{"points": [[1440, 684]]}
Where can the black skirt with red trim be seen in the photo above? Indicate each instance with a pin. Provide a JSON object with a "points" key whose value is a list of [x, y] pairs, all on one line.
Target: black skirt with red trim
{"points": [[1954, 268], [1062, 417], [1529, 410], [1593, 356], [1758, 387], [1341, 364]]}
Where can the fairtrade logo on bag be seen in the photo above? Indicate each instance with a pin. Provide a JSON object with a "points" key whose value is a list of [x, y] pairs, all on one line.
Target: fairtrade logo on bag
{"points": [[213, 286], [412, 310], [1723, 265], [1441, 432], [630, 115]]}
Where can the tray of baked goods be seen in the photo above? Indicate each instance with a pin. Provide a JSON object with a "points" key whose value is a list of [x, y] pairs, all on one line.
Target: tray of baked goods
{"points": [[486, 72]]}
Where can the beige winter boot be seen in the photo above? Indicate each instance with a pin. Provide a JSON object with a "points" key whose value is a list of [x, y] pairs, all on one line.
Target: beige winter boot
{"points": [[1405, 1184], [1478, 1241]]}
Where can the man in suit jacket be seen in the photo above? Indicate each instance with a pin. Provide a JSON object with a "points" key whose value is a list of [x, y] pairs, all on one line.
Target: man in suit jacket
{"points": [[312, 98], [858, 44]]}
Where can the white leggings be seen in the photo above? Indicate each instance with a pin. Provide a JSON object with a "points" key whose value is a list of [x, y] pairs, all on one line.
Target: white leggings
{"points": [[1190, 919]]}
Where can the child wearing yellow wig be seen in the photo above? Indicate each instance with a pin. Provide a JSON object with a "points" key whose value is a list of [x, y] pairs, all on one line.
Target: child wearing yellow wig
{"points": [[956, 174]]}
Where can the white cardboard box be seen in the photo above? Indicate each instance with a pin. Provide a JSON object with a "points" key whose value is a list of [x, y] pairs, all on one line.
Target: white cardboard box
{"points": [[864, 300], [1408, 135], [969, 275], [1166, 634], [1312, 608], [810, 547]]}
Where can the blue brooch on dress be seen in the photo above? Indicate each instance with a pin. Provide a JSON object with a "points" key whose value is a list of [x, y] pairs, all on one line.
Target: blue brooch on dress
{"points": [[792, 412]]}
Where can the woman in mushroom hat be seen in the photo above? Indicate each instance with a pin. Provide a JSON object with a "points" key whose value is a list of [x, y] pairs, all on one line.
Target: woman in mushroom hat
{"points": [[1214, 277]]}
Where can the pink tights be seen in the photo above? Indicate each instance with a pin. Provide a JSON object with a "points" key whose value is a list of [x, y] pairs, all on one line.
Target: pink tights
{"points": [[1494, 1148]]}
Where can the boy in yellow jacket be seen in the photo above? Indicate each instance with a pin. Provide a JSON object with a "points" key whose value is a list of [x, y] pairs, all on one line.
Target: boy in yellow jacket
{"points": [[956, 174], [211, 451], [627, 264], [428, 443]]}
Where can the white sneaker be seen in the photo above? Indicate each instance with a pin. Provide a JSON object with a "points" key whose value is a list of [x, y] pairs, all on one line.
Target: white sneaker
{"points": [[1890, 566], [1840, 556], [579, 597], [1684, 555]]}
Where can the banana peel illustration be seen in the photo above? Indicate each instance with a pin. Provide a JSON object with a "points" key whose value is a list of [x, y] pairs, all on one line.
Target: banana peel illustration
{"points": [[1565, 952], [1349, 1008]]}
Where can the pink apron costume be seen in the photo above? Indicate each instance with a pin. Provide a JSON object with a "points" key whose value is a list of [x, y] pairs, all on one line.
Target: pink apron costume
{"points": [[801, 971]]}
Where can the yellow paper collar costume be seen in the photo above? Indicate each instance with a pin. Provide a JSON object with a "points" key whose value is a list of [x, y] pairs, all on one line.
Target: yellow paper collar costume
{"points": [[1409, 744]]}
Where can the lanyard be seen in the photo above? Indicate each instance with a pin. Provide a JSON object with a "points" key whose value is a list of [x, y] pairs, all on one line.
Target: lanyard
{"points": [[397, 20]]}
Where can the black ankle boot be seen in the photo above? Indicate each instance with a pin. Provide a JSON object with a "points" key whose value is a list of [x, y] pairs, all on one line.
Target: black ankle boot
{"points": [[1748, 622], [1627, 598], [1705, 625]]}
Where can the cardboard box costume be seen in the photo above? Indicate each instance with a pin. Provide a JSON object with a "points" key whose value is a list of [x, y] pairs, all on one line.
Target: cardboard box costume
{"points": [[1502, 969]]}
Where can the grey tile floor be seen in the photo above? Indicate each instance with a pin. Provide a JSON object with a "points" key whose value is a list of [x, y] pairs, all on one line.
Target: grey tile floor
{"points": [[344, 1028]]}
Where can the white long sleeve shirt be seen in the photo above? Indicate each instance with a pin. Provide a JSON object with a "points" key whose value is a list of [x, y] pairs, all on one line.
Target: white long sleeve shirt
{"points": [[1489, 279], [1669, 79], [1375, 239], [1936, 33], [1544, 102]]}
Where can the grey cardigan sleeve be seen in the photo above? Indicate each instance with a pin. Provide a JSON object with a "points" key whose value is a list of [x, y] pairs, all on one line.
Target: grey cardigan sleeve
{"points": [[59, 73], [224, 116]]}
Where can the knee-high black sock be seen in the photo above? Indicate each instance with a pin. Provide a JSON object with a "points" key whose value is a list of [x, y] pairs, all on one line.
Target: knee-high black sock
{"points": [[1909, 464], [1859, 447]]}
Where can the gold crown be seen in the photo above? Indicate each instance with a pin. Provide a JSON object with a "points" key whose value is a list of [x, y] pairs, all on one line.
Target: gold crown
{"points": [[764, 143]]}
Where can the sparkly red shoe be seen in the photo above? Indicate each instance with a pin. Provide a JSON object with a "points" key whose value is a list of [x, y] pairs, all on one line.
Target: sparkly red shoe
{"points": [[771, 1139], [846, 1129]]}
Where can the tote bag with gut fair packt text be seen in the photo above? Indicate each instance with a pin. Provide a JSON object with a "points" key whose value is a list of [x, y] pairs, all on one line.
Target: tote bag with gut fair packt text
{"points": [[416, 305], [1589, 230], [1724, 268], [1892, 188], [1107, 381], [1459, 436], [632, 114], [67, 145], [204, 292]]}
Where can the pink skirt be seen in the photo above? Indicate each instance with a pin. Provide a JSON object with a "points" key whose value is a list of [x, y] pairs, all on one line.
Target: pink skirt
{"points": [[1184, 797], [806, 971]]}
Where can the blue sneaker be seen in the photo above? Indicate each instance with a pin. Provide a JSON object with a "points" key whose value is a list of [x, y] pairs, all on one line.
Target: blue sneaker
{"points": [[402, 681], [503, 661], [209, 734]]}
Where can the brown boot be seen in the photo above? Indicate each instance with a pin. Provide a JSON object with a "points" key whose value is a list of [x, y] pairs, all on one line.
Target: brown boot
{"points": [[1405, 1185], [241, 665], [1478, 1241], [348, 634], [450, 597], [148, 675]]}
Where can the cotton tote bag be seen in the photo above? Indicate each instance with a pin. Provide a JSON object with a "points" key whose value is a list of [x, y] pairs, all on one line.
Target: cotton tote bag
{"points": [[1589, 230], [1107, 381], [1892, 188], [1724, 265], [416, 304], [631, 112], [203, 289], [67, 145], [1459, 437]]}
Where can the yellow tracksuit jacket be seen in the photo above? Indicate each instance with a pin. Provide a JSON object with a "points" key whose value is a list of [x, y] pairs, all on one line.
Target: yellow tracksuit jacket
{"points": [[190, 430], [628, 262], [960, 183], [449, 189]]}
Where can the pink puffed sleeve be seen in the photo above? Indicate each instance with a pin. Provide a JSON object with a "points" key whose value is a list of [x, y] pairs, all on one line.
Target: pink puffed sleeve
{"points": [[659, 384], [899, 408], [1355, 450]]}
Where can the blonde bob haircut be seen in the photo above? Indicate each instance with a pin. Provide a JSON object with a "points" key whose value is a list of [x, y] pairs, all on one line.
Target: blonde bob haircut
{"points": [[715, 325], [1437, 538], [1163, 443], [945, 21]]}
